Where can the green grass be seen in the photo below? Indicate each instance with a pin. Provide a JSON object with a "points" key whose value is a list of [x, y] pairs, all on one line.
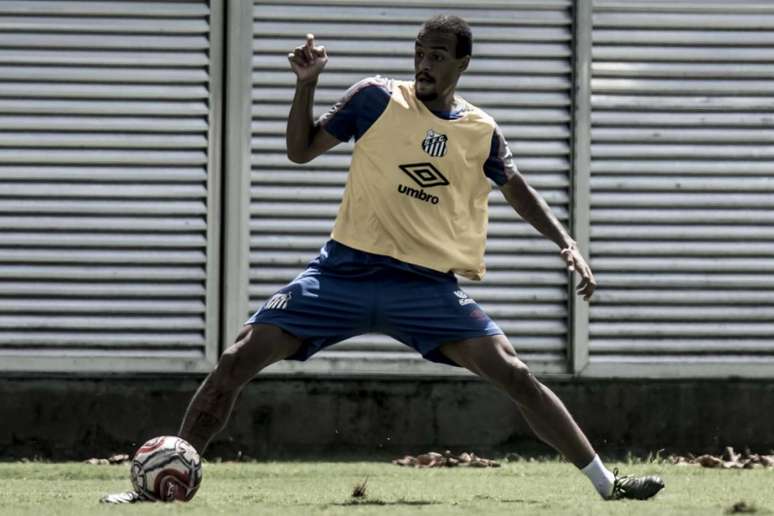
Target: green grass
{"points": [[324, 488]]}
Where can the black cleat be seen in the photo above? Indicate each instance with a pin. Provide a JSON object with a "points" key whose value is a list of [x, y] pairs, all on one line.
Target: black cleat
{"points": [[635, 488], [125, 497]]}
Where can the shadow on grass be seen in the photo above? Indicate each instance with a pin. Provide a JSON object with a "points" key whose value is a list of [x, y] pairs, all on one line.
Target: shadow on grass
{"points": [[355, 503], [382, 502], [509, 500]]}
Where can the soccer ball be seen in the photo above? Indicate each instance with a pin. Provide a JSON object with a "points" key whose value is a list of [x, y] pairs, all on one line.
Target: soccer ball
{"points": [[166, 469]]}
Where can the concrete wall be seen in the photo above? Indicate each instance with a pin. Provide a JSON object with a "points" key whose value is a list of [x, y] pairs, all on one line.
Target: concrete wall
{"points": [[275, 418]]}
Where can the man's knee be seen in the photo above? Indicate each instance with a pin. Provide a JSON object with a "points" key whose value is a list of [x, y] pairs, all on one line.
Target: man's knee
{"points": [[521, 383], [236, 365], [510, 373], [255, 347], [226, 375]]}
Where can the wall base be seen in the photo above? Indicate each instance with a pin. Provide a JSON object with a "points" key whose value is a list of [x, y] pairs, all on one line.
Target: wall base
{"points": [[68, 419]]}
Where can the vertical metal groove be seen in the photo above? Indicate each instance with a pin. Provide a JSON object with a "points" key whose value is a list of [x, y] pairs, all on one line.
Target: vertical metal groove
{"points": [[239, 52], [215, 203], [581, 172]]}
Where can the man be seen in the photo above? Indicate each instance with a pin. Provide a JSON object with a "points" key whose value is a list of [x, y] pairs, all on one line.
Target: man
{"points": [[413, 215]]}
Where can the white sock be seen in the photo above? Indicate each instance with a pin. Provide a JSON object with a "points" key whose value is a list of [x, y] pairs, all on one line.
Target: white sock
{"points": [[600, 476]]}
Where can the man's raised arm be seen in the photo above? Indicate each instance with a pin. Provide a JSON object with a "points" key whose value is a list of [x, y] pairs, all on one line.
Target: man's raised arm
{"points": [[305, 140]]}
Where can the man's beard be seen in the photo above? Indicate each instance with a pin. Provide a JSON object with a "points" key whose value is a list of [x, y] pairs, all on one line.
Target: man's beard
{"points": [[427, 96]]}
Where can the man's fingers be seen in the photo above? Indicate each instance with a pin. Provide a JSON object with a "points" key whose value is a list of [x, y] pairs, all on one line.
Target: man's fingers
{"points": [[586, 287], [309, 47], [320, 53], [300, 58], [576, 263], [296, 61]]}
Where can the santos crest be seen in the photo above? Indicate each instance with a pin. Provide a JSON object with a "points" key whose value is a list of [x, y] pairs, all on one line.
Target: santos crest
{"points": [[435, 144]]}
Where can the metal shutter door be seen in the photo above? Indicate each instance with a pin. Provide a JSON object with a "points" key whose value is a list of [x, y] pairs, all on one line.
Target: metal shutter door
{"points": [[105, 181], [520, 74], [682, 235]]}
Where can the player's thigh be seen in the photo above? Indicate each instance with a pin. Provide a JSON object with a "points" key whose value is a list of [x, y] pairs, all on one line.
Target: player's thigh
{"points": [[264, 343], [256, 346], [491, 357]]}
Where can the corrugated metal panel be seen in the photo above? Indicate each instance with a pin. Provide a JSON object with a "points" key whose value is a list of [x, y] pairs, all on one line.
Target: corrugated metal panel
{"points": [[520, 74], [681, 203], [106, 168]]}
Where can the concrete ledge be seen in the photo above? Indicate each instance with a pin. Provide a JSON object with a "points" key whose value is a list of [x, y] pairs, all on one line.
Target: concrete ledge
{"points": [[74, 419]]}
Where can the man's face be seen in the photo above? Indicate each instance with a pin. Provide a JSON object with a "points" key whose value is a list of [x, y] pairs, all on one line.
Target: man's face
{"points": [[436, 70]]}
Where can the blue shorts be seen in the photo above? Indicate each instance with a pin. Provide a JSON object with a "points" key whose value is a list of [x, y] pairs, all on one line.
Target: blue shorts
{"points": [[345, 292]]}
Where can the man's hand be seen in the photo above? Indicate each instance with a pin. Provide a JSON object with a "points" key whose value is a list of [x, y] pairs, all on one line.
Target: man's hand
{"points": [[576, 263], [307, 61]]}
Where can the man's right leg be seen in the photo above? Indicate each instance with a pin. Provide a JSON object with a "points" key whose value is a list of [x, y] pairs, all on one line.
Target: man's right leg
{"points": [[256, 347]]}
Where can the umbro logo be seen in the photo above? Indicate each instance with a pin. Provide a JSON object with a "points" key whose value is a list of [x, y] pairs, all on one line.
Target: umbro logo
{"points": [[435, 144], [424, 174]]}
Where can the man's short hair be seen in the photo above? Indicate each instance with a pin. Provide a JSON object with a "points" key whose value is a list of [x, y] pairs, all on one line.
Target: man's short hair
{"points": [[451, 25]]}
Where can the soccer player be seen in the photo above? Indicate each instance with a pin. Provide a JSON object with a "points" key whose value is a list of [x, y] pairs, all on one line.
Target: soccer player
{"points": [[413, 216]]}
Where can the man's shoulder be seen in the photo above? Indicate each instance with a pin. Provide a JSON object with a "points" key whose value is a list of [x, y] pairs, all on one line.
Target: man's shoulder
{"points": [[362, 104], [476, 114], [374, 85]]}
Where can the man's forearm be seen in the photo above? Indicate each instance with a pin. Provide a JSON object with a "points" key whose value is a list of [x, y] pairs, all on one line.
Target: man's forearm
{"points": [[300, 127], [535, 210]]}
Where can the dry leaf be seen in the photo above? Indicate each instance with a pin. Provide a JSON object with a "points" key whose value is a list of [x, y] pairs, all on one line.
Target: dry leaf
{"points": [[408, 460], [436, 460], [708, 461], [119, 458], [729, 455]]}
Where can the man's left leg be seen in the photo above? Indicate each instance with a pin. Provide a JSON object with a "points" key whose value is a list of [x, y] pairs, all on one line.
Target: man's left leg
{"points": [[493, 359]]}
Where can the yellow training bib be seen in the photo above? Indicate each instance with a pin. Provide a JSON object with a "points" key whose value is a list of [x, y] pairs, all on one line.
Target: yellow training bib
{"points": [[416, 189]]}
